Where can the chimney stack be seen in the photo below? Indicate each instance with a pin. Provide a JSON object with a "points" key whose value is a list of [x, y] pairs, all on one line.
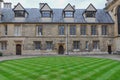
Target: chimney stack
{"points": [[7, 5], [41, 5], [74, 6], [109, 1], [1, 1]]}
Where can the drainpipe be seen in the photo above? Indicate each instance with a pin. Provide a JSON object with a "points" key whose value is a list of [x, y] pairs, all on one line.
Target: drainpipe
{"points": [[67, 40]]}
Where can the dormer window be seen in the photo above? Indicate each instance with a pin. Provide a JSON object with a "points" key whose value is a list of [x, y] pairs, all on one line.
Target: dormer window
{"points": [[19, 13], [45, 10], [46, 14], [68, 14], [69, 11], [90, 14]]}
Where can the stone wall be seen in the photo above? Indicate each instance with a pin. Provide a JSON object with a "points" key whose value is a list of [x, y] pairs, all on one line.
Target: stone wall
{"points": [[50, 33]]}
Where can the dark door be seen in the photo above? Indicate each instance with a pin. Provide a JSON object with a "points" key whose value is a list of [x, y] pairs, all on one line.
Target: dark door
{"points": [[18, 49], [109, 49], [61, 50]]}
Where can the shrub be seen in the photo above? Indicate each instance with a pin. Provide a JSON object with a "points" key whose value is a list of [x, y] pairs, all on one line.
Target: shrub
{"points": [[1, 53]]}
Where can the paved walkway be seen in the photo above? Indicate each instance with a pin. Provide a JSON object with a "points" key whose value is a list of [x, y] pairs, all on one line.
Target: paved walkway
{"points": [[114, 57], [14, 57]]}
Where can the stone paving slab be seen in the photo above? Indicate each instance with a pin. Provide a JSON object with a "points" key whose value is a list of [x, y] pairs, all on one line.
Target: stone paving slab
{"points": [[114, 57]]}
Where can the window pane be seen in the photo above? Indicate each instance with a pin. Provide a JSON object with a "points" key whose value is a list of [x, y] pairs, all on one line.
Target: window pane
{"points": [[72, 30], [61, 30], [46, 14], [118, 17], [76, 44], [83, 30], [39, 30], [90, 14], [95, 44], [5, 30], [19, 13], [93, 30], [3, 45], [87, 45], [68, 14], [37, 44], [104, 30], [49, 45], [17, 30]]}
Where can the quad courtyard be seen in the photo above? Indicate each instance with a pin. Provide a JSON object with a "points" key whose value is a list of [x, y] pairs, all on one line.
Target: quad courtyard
{"points": [[60, 67]]}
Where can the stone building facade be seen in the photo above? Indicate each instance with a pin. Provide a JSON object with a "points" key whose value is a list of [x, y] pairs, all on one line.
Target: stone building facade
{"points": [[45, 30], [113, 8]]}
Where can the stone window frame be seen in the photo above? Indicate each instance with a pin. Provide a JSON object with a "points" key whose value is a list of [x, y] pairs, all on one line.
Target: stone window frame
{"points": [[68, 14], [46, 14], [37, 45], [49, 45], [76, 45], [5, 29], [18, 30], [39, 30], [90, 14], [94, 30], [19, 13], [87, 45], [104, 29], [72, 29], [61, 30], [96, 45], [3, 45], [83, 30], [118, 18]]}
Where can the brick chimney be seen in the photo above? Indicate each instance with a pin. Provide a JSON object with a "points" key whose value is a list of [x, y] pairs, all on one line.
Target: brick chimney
{"points": [[1, 1], [41, 5], [74, 6], [7, 5]]}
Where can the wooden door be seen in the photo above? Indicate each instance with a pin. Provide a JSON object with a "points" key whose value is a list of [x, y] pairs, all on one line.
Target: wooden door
{"points": [[18, 49], [109, 49], [61, 50]]}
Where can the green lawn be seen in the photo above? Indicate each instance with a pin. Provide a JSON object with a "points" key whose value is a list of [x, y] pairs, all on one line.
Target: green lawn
{"points": [[60, 68]]}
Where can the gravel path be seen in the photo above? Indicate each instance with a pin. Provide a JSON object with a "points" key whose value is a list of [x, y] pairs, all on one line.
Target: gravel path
{"points": [[114, 57]]}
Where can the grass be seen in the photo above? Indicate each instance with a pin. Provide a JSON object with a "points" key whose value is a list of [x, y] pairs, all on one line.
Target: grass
{"points": [[60, 68]]}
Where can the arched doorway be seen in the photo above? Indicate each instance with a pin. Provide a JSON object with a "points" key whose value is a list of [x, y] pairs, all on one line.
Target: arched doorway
{"points": [[118, 17], [18, 49], [61, 49]]}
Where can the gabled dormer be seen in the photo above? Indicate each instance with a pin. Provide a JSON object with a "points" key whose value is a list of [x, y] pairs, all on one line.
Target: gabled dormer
{"points": [[19, 11], [45, 10], [68, 11], [90, 13]]}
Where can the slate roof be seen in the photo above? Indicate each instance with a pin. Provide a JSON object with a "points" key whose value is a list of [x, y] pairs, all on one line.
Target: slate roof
{"points": [[34, 16]]}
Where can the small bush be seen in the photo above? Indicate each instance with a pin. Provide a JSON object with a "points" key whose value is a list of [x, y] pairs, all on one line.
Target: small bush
{"points": [[1, 53]]}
